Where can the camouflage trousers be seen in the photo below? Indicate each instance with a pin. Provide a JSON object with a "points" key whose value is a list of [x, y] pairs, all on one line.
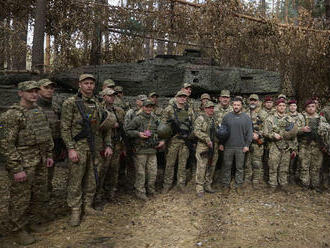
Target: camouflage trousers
{"points": [[177, 150], [229, 155], [279, 161], [146, 170], [82, 183], [205, 168], [253, 164], [310, 164], [27, 197], [110, 171]]}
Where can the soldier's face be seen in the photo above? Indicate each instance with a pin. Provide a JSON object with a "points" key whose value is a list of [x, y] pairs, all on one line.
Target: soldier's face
{"points": [[109, 98], [204, 100], [293, 108], [269, 104], [281, 108], [47, 91], [154, 99], [181, 99], [87, 87], [209, 111], [29, 96], [139, 103], [187, 90], [148, 109], [254, 102], [224, 100], [237, 106], [311, 108]]}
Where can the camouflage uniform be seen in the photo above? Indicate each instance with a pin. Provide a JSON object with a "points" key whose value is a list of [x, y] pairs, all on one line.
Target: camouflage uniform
{"points": [[82, 183], [203, 126], [112, 165], [28, 145], [145, 153], [311, 156], [119, 102], [221, 111], [177, 149], [280, 155], [253, 164], [53, 117]]}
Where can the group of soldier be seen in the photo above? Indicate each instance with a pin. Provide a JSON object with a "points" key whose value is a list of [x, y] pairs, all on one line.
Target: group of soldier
{"points": [[103, 135]]}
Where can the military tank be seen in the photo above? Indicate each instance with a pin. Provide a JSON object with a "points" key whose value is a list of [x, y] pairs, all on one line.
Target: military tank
{"points": [[164, 74]]}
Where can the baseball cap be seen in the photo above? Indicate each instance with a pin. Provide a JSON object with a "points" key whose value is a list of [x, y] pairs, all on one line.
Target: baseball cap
{"points": [[209, 104], [142, 97], [109, 83], [254, 96], [205, 96], [85, 76], [45, 82], [148, 103], [28, 85], [225, 93], [153, 94], [181, 93], [107, 92], [186, 85]]}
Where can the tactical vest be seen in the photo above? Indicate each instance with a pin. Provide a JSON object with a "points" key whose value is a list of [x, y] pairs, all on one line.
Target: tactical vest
{"points": [[280, 125], [183, 118], [34, 130]]}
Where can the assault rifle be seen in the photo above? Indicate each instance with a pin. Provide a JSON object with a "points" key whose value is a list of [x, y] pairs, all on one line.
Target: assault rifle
{"points": [[87, 133]]}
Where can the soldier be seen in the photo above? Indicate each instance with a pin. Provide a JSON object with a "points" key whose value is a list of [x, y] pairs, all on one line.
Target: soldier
{"points": [[108, 83], [45, 98], [326, 161], [112, 164], [298, 119], [180, 115], [267, 107], [281, 134], [253, 164], [158, 111], [131, 113], [224, 106], [207, 149], [29, 147], [311, 156], [204, 99], [186, 87], [236, 146], [143, 129], [282, 96], [80, 129], [119, 99]]}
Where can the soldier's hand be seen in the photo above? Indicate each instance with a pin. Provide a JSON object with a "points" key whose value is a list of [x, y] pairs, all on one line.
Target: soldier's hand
{"points": [[116, 125], [143, 135], [209, 144], [73, 156], [20, 176], [277, 136], [245, 149], [306, 129], [160, 144], [255, 136], [108, 152], [49, 162], [221, 148]]}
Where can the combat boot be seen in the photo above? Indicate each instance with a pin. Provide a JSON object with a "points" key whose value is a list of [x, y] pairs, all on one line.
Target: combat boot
{"points": [[165, 189], [90, 211], [226, 190], [75, 217], [181, 188], [141, 196], [24, 238]]}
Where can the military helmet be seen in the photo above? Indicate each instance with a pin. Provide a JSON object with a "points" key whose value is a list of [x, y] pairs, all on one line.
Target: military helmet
{"points": [[223, 133], [107, 121], [164, 131], [291, 131]]}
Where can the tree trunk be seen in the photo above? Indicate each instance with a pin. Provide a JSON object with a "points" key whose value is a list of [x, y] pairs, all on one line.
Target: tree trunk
{"points": [[95, 57], [2, 44], [170, 45], [262, 5], [47, 57], [39, 36], [327, 11], [19, 41]]}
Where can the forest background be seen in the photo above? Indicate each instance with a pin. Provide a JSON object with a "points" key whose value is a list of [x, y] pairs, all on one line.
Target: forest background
{"points": [[288, 36]]}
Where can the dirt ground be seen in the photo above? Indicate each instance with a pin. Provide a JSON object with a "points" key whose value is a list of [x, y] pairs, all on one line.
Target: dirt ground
{"points": [[256, 219]]}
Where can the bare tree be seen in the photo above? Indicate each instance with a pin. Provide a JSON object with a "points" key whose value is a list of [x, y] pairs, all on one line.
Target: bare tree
{"points": [[39, 35]]}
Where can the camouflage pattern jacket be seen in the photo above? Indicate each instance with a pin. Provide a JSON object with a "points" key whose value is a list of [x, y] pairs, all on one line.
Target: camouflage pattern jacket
{"points": [[119, 102], [202, 130], [220, 111], [71, 123], [277, 124], [118, 114], [184, 116], [320, 129], [28, 136], [141, 123]]}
